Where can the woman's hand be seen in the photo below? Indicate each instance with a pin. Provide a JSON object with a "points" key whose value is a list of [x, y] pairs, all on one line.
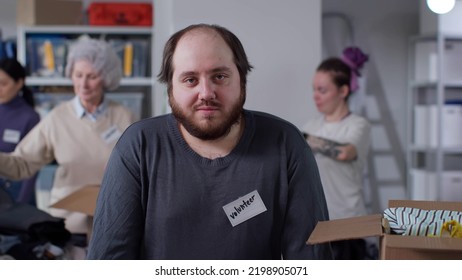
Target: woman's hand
{"points": [[332, 149], [346, 153]]}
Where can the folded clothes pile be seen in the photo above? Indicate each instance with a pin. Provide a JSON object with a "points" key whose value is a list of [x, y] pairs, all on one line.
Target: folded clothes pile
{"points": [[418, 222]]}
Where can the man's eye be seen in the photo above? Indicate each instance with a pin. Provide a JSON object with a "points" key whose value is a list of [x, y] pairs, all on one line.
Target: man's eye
{"points": [[190, 81], [220, 77]]}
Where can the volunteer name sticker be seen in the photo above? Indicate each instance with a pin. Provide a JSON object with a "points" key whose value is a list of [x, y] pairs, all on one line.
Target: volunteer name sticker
{"points": [[11, 136], [111, 135], [244, 208]]}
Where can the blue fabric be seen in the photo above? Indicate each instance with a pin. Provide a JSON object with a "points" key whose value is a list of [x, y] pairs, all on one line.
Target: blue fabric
{"points": [[16, 115], [8, 241], [12, 188], [20, 191], [82, 112]]}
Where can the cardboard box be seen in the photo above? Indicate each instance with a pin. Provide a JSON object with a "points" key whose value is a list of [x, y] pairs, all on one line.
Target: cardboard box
{"points": [[82, 201], [49, 12], [393, 247]]}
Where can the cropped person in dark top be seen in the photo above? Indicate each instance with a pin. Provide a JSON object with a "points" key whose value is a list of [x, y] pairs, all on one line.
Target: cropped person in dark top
{"points": [[17, 118]]}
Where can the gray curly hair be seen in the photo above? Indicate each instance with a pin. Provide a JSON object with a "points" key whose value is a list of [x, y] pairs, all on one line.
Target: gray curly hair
{"points": [[101, 56]]}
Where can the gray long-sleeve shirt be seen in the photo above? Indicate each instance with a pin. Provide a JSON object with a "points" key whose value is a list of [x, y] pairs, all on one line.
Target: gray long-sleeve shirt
{"points": [[161, 200]]}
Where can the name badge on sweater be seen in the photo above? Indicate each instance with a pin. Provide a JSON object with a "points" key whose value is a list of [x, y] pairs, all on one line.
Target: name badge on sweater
{"points": [[111, 135], [244, 208], [11, 136]]}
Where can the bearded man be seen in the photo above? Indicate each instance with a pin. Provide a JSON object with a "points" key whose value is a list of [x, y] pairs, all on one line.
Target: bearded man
{"points": [[211, 180]]}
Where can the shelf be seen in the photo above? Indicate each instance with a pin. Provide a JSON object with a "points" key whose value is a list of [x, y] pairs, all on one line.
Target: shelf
{"points": [[435, 79], [59, 81], [424, 84], [433, 37], [421, 84], [82, 29], [28, 41], [428, 149]]}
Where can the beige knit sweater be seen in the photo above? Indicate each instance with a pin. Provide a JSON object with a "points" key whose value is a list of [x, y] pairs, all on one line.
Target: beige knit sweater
{"points": [[80, 146]]}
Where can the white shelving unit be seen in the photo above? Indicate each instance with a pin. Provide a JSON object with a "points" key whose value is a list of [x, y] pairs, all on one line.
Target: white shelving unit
{"points": [[434, 150], [145, 84]]}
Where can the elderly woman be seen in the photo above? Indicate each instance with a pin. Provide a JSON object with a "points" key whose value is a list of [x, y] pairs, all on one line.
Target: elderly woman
{"points": [[78, 134]]}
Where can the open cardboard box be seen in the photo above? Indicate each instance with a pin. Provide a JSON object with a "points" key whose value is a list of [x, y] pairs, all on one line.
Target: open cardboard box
{"points": [[393, 247], [83, 201]]}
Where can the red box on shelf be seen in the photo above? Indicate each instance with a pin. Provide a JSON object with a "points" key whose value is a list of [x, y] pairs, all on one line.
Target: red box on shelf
{"points": [[120, 14]]}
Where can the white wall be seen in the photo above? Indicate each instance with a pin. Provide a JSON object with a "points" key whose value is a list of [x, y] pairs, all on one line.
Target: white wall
{"points": [[8, 18], [382, 29], [281, 38]]}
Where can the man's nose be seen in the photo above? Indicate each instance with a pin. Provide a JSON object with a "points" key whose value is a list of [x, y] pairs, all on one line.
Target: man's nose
{"points": [[206, 90]]}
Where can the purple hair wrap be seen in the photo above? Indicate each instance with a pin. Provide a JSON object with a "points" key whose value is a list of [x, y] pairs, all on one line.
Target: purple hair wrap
{"points": [[355, 59]]}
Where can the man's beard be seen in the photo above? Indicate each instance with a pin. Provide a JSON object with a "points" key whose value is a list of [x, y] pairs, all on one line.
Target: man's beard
{"points": [[210, 130]]}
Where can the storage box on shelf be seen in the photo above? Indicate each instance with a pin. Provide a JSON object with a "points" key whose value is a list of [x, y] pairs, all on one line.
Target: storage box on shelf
{"points": [[425, 185], [427, 58], [49, 12], [426, 125], [124, 14]]}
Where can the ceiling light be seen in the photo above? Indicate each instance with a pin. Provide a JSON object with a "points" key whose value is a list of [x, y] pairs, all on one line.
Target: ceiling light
{"points": [[441, 6]]}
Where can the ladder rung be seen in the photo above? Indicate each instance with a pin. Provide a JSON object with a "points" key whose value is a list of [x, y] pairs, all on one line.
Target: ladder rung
{"points": [[381, 152], [375, 122], [390, 182]]}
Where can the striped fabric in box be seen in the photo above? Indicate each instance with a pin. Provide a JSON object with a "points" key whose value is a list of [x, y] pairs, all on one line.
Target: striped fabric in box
{"points": [[418, 222]]}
